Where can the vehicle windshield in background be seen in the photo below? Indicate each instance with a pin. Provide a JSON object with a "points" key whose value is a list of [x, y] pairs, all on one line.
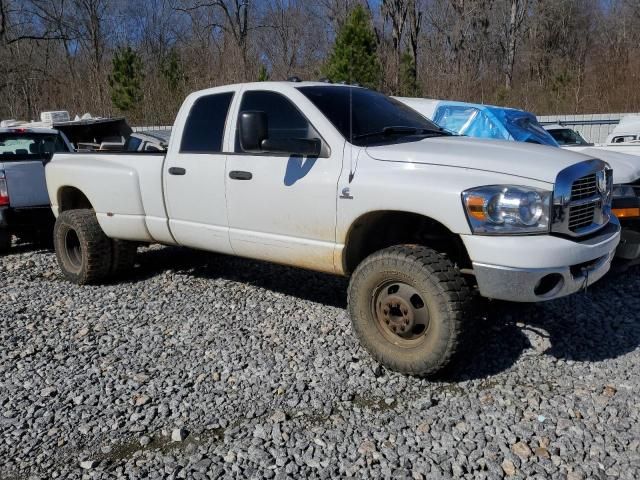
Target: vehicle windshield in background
{"points": [[566, 136], [30, 146], [365, 117], [486, 121]]}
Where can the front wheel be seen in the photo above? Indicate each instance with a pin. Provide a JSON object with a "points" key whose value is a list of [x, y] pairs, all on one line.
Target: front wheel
{"points": [[82, 249], [408, 305]]}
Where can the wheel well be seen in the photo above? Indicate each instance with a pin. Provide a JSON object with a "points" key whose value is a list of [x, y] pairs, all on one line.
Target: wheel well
{"points": [[71, 198], [377, 230]]}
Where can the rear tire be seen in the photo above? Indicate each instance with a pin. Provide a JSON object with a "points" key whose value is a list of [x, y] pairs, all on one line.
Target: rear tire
{"points": [[82, 249], [5, 241], [408, 306], [123, 257]]}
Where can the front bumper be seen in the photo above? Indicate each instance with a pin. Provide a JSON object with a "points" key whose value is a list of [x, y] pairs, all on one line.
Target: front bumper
{"points": [[31, 219], [538, 268]]}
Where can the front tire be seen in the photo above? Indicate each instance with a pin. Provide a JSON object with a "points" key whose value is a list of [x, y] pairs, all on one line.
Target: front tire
{"points": [[82, 249], [408, 305]]}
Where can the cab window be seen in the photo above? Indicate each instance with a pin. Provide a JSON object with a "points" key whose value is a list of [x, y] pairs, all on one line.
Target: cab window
{"points": [[285, 120], [204, 128]]}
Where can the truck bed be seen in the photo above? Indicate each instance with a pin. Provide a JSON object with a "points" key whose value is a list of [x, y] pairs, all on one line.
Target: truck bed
{"points": [[110, 180]]}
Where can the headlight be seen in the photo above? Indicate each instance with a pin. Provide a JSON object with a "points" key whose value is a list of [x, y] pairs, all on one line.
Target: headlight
{"points": [[507, 209], [623, 191]]}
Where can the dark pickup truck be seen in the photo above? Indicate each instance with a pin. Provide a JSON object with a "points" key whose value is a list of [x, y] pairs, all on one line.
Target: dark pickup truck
{"points": [[24, 202]]}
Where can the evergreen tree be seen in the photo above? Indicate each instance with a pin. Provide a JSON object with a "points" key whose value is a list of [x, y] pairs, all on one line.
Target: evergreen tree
{"points": [[408, 76], [263, 74], [126, 79], [354, 58], [172, 71]]}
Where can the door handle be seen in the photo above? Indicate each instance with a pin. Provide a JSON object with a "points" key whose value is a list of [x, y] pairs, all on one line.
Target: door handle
{"points": [[240, 175], [177, 171]]}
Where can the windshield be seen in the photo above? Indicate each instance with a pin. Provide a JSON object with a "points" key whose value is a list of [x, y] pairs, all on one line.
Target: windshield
{"points": [[469, 120], [30, 146], [566, 136], [364, 117]]}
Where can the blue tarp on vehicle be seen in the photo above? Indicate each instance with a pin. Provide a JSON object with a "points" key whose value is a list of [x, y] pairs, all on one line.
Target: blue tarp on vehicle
{"points": [[486, 121]]}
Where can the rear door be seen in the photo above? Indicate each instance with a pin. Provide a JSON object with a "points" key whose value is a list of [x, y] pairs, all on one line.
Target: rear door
{"points": [[194, 175]]}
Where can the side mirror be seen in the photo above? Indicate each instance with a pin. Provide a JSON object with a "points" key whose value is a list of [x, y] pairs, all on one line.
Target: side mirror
{"points": [[254, 137], [254, 130]]}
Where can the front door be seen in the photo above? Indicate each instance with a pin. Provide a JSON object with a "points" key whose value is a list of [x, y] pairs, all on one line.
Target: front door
{"points": [[282, 208], [195, 177]]}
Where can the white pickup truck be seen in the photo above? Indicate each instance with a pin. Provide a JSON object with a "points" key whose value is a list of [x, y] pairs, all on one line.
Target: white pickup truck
{"points": [[348, 181]]}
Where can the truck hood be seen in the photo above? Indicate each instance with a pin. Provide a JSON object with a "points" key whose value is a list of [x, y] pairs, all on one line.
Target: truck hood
{"points": [[524, 160], [626, 168]]}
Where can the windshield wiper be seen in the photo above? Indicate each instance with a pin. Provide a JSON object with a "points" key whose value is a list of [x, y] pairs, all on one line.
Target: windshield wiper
{"points": [[401, 130]]}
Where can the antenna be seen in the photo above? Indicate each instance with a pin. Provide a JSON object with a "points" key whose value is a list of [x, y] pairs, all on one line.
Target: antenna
{"points": [[351, 172]]}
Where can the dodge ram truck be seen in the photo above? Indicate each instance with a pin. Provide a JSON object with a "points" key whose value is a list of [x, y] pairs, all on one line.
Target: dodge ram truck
{"points": [[345, 180]]}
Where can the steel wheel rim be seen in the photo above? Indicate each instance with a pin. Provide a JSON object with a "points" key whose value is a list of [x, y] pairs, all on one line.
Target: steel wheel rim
{"points": [[401, 313], [73, 250]]}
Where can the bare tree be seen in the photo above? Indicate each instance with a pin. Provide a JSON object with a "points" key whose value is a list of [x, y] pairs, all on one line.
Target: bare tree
{"points": [[513, 26], [395, 12], [415, 11], [234, 22]]}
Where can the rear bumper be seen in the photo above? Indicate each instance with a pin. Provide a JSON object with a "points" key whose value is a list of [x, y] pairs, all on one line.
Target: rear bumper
{"points": [[538, 268], [18, 220]]}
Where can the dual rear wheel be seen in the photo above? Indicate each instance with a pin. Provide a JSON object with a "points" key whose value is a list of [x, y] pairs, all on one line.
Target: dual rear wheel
{"points": [[85, 254]]}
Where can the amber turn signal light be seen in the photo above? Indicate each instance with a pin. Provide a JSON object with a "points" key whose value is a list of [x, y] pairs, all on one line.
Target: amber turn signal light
{"points": [[626, 212], [475, 206]]}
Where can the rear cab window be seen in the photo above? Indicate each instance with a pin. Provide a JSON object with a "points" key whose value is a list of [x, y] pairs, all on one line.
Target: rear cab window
{"points": [[204, 127], [19, 145]]}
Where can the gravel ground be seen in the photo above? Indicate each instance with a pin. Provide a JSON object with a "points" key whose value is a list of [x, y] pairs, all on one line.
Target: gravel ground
{"points": [[202, 366]]}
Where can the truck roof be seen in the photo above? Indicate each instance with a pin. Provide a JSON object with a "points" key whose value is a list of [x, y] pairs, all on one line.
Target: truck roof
{"points": [[279, 83]]}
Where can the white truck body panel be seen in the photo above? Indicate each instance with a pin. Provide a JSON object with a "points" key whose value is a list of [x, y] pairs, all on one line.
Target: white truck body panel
{"points": [[629, 148], [529, 161], [133, 204], [300, 211]]}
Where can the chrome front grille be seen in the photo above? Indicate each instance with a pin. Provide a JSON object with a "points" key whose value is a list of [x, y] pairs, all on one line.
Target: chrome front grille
{"points": [[581, 216], [584, 187], [582, 198]]}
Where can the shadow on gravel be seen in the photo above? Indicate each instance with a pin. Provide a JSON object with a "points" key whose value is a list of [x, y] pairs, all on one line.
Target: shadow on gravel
{"points": [[24, 247], [316, 287], [601, 324], [588, 327]]}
